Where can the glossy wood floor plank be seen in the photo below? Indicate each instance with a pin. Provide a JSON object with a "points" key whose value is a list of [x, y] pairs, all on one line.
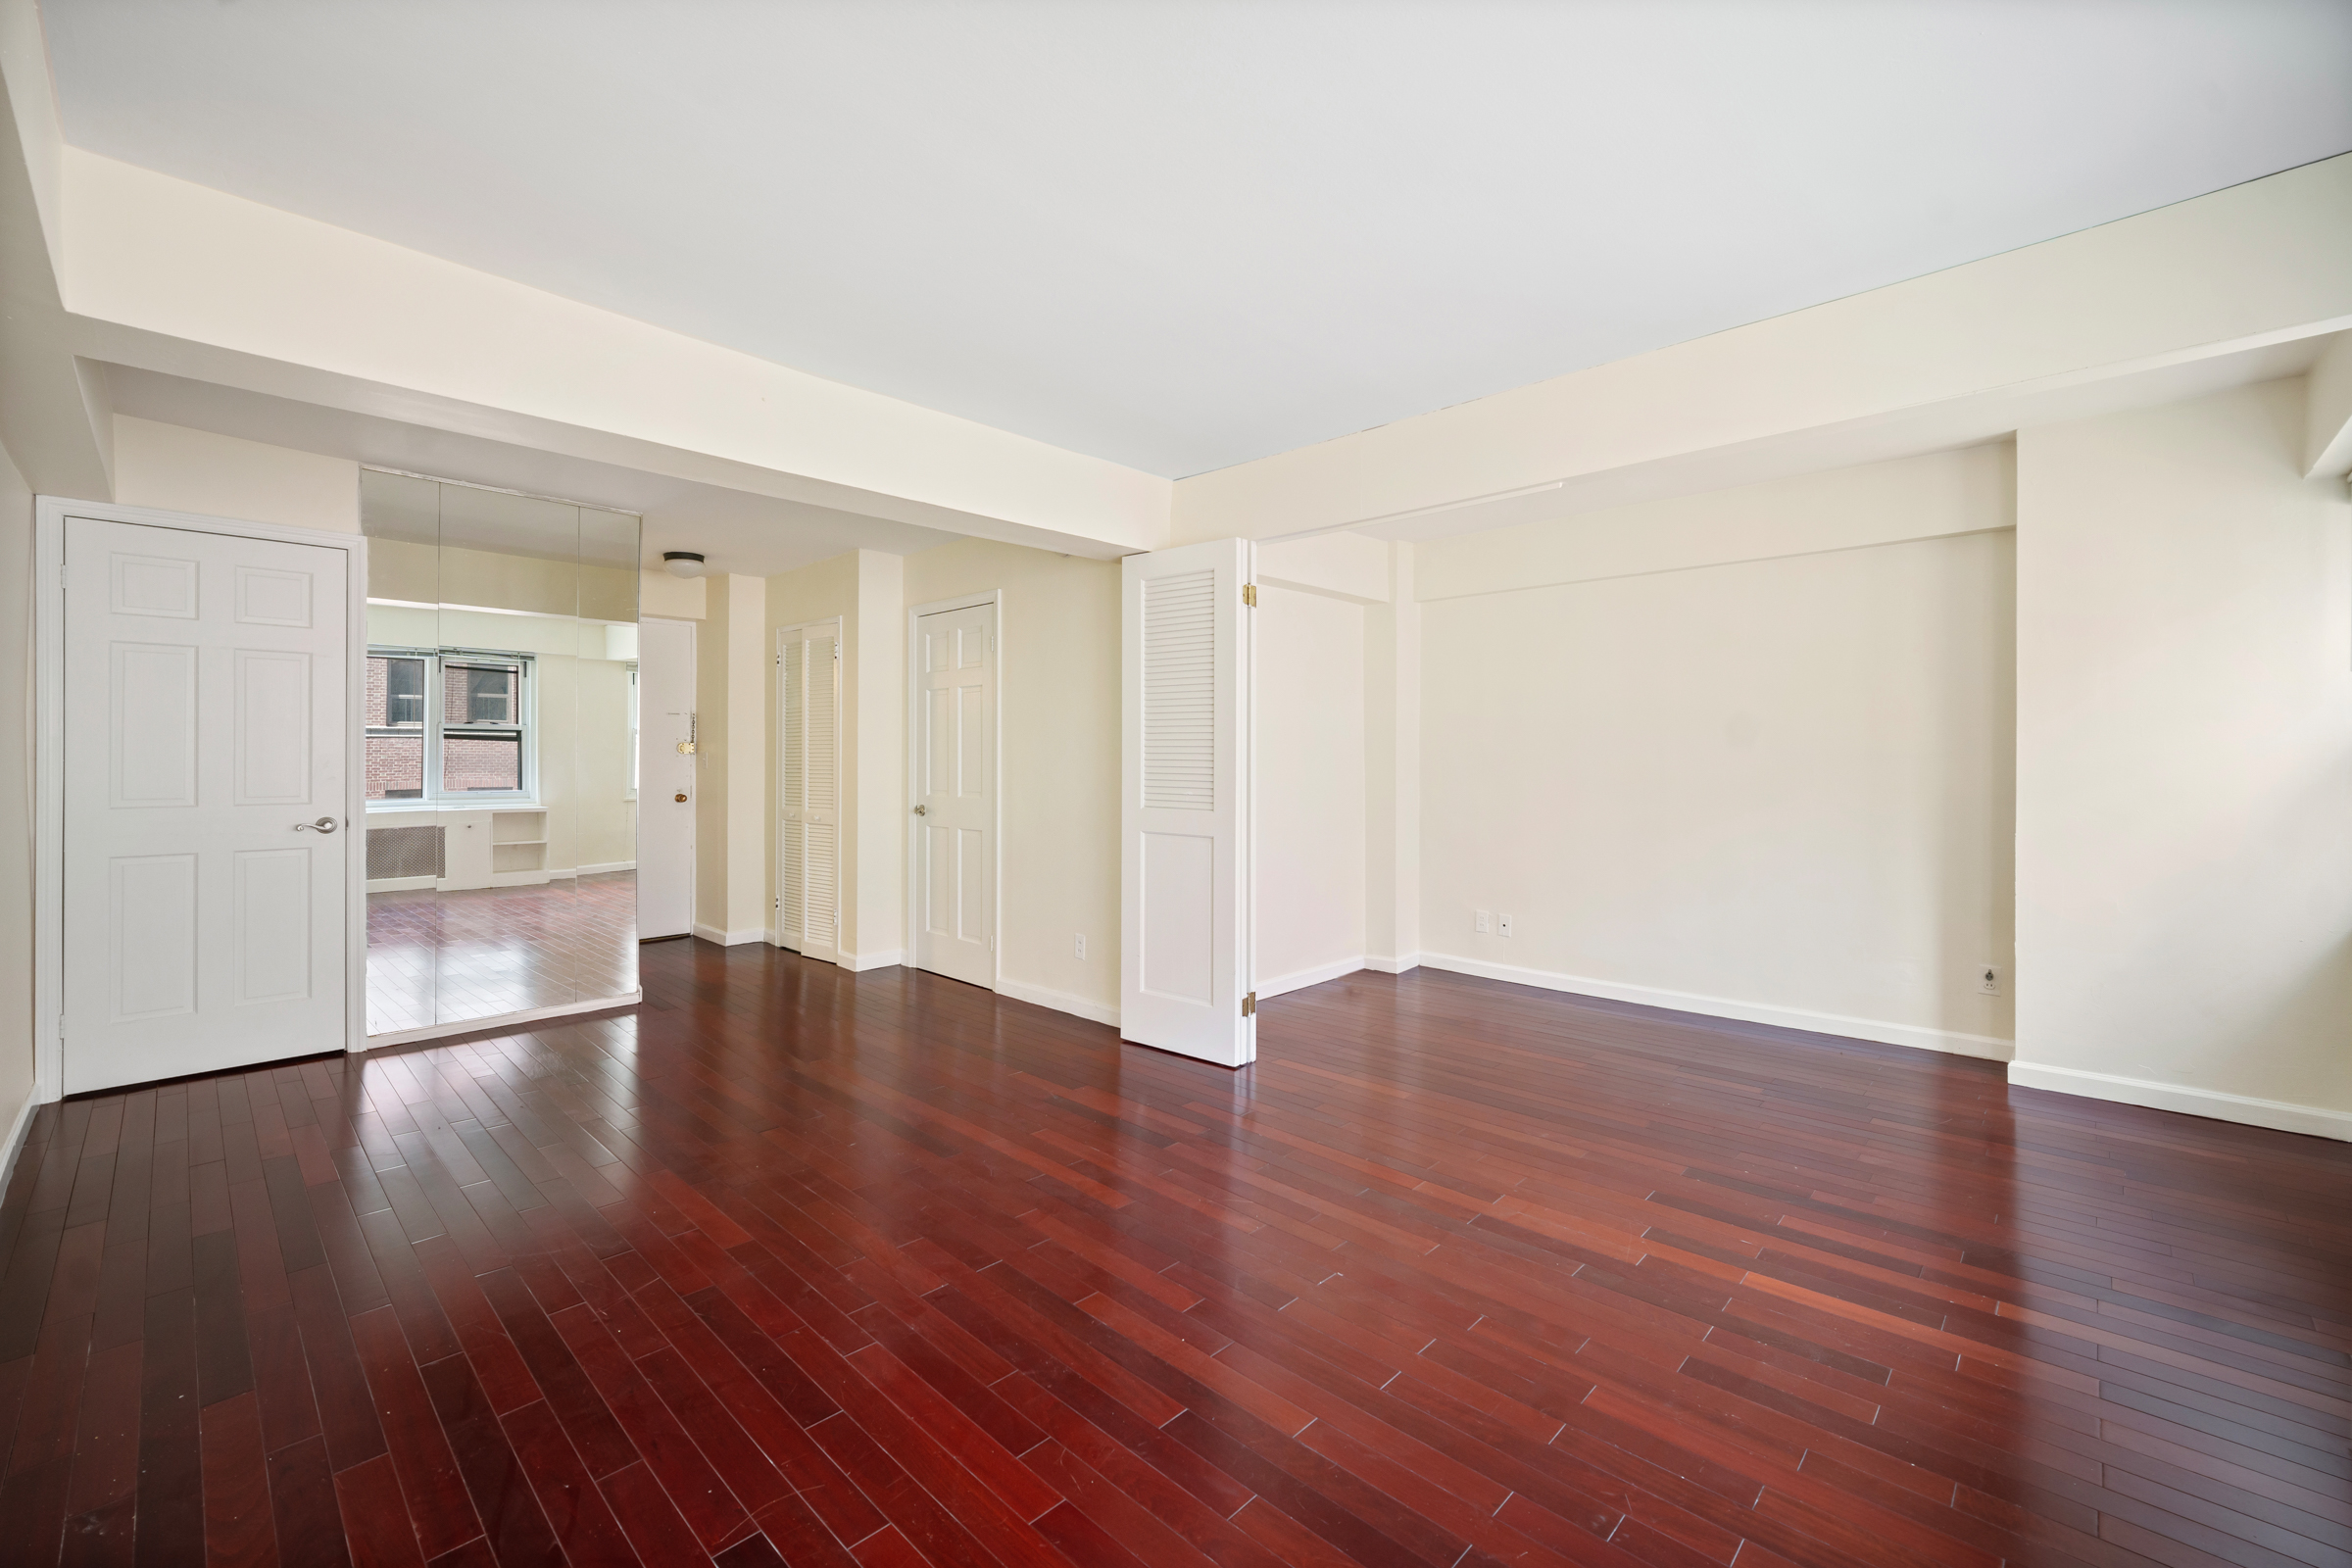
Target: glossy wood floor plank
{"points": [[793, 1265]]}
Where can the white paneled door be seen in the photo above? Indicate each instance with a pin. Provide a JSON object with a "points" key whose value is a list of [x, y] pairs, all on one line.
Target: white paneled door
{"points": [[207, 755], [955, 794], [665, 778], [1184, 863], [808, 790]]}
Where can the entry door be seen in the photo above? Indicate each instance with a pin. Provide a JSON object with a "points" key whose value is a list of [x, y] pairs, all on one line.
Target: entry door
{"points": [[1184, 820], [665, 778], [808, 836], [955, 794], [207, 757]]}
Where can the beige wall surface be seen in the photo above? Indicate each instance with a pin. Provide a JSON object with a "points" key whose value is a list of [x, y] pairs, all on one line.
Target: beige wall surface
{"points": [[2185, 760], [16, 795], [878, 698], [1057, 705], [1310, 797], [447, 575], [671, 597], [1392, 770], [1779, 789], [713, 853], [178, 470], [1962, 491], [732, 688]]}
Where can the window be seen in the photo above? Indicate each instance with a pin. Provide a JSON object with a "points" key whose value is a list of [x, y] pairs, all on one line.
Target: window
{"points": [[473, 742]]}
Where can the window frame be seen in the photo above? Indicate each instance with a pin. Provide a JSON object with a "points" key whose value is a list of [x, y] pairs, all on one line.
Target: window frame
{"points": [[436, 728]]}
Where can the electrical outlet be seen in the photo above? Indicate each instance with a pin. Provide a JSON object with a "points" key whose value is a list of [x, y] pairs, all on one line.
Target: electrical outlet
{"points": [[1989, 980], [1082, 944], [1506, 925], [1482, 922]]}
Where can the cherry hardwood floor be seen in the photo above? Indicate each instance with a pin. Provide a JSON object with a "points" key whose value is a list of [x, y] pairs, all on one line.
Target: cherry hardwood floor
{"points": [[869, 1271]]}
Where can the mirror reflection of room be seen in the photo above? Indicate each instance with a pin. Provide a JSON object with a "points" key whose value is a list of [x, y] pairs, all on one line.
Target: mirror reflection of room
{"points": [[500, 707]]}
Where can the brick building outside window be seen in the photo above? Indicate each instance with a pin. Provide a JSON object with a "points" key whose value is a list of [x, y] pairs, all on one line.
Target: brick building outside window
{"points": [[477, 737]]}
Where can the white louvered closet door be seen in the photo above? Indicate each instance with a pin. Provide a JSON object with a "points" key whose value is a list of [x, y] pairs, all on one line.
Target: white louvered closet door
{"points": [[808, 836], [1184, 884]]}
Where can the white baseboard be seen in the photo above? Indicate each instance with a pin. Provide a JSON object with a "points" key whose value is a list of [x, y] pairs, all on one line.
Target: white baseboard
{"points": [[728, 939], [15, 1138], [2284, 1115], [607, 865], [1398, 965], [468, 1027], [1300, 979], [860, 962], [1059, 1002], [1918, 1037], [400, 884]]}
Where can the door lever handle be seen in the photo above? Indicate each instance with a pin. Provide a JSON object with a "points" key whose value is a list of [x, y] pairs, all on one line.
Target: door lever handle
{"points": [[325, 824]]}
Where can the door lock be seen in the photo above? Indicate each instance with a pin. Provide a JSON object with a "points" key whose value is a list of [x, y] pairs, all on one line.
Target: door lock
{"points": [[325, 824]]}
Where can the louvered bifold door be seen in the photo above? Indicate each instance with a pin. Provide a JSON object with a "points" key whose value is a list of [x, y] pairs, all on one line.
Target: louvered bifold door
{"points": [[1183, 961], [809, 792]]}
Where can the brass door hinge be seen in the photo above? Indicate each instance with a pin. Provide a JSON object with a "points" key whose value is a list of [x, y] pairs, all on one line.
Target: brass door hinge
{"points": [[1250, 595], [1250, 1004]]}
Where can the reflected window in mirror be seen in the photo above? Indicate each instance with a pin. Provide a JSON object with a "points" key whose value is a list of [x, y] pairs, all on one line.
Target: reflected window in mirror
{"points": [[477, 743], [395, 719]]}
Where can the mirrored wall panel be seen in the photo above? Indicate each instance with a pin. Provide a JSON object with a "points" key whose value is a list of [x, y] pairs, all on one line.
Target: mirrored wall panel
{"points": [[500, 718]]}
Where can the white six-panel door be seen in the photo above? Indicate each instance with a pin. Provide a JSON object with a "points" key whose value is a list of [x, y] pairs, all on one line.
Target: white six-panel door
{"points": [[206, 761], [808, 790], [1184, 882], [665, 778], [955, 794]]}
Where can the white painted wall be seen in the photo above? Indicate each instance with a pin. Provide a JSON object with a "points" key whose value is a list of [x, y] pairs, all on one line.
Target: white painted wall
{"points": [[2184, 763], [1311, 844], [1776, 788], [15, 803], [179, 470]]}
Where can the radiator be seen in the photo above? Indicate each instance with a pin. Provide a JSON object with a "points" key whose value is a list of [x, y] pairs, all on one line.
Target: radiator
{"points": [[401, 852]]}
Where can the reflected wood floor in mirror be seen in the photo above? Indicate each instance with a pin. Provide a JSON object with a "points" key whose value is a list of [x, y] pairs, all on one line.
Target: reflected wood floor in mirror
{"points": [[449, 958], [797, 1265]]}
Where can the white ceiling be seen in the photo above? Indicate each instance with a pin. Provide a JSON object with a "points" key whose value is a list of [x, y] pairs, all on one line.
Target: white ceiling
{"points": [[1180, 234]]}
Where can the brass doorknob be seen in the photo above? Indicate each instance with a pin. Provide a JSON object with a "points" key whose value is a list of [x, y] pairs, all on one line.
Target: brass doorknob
{"points": [[922, 810], [681, 797]]}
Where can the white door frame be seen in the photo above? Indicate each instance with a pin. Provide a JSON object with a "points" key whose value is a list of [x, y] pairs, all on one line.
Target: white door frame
{"points": [[49, 761], [910, 938], [841, 794]]}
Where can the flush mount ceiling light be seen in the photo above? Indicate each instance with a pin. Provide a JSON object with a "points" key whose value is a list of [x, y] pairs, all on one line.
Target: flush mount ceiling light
{"points": [[683, 562]]}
